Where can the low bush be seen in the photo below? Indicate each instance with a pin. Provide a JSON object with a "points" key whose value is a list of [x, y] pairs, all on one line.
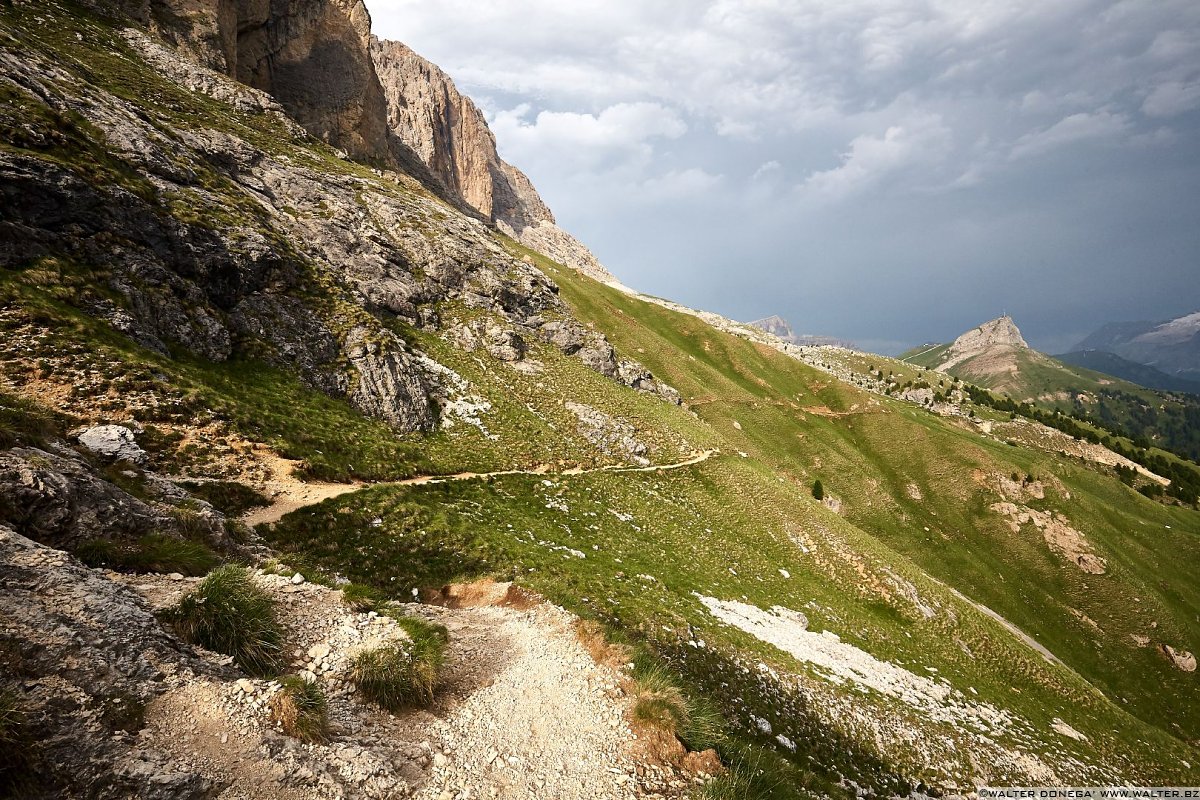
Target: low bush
{"points": [[300, 709], [405, 673], [229, 613]]}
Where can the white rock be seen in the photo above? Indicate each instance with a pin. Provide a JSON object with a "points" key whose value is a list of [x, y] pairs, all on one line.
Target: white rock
{"points": [[297, 579], [113, 441]]}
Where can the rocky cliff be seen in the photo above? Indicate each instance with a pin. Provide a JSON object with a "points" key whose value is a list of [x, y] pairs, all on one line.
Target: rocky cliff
{"points": [[450, 135], [215, 227]]}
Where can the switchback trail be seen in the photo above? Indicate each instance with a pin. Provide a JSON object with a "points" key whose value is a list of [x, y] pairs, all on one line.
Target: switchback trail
{"points": [[289, 493]]}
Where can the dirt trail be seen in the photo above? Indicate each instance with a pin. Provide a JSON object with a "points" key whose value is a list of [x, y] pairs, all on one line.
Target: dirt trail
{"points": [[289, 493], [522, 711], [525, 712]]}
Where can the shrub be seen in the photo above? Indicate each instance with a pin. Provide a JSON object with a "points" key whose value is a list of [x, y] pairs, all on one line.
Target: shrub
{"points": [[405, 673], [151, 553], [229, 613], [818, 491], [299, 708]]}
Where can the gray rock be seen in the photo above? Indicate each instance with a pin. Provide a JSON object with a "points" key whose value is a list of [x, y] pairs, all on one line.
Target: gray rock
{"points": [[115, 442], [610, 435], [85, 643]]}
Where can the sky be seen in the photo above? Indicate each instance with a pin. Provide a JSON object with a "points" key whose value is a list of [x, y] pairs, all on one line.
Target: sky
{"points": [[890, 172]]}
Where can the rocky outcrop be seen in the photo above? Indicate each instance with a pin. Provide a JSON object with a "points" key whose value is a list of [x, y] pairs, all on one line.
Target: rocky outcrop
{"points": [[82, 656], [1000, 334], [224, 244], [610, 435], [58, 499], [451, 137]]}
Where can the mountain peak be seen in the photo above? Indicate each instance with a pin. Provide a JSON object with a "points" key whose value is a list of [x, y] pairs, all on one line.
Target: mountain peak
{"points": [[776, 326], [999, 333]]}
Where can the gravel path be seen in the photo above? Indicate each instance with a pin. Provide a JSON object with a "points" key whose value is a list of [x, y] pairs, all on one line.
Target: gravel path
{"points": [[523, 711]]}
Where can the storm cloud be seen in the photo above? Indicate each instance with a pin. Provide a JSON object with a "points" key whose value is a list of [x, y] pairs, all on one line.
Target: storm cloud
{"points": [[889, 172]]}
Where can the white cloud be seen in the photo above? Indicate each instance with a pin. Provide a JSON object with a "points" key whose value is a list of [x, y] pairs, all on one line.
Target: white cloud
{"points": [[620, 134], [1074, 129], [766, 170], [871, 158], [677, 185], [1171, 99]]}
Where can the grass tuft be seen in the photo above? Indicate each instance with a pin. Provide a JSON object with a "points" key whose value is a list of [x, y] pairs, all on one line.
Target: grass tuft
{"points": [[406, 673], [658, 701], [16, 745], [23, 422], [151, 553], [229, 497], [362, 598], [229, 613], [300, 709]]}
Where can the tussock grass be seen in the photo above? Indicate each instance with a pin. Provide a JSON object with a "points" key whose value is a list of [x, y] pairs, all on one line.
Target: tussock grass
{"points": [[300, 709], [25, 423], [229, 613], [658, 700], [361, 598], [754, 773], [405, 673], [229, 497], [151, 553], [661, 703]]}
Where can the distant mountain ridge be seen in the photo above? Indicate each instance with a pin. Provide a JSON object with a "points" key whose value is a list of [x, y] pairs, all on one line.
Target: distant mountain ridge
{"points": [[1172, 347], [995, 356], [780, 327]]}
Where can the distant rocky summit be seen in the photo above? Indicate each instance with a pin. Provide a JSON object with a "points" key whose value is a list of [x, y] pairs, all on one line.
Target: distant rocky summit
{"points": [[779, 327], [1172, 347], [989, 338]]}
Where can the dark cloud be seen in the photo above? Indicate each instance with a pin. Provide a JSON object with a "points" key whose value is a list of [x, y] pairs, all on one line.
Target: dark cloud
{"points": [[889, 172]]}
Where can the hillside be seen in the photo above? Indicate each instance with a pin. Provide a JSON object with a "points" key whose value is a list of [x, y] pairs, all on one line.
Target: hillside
{"points": [[996, 357], [516, 531], [1141, 374]]}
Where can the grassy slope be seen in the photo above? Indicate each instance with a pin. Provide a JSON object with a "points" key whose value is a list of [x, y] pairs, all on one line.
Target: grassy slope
{"points": [[869, 460], [689, 528], [1168, 418]]}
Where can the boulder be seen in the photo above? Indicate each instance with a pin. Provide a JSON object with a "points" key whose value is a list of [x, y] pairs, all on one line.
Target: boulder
{"points": [[114, 442]]}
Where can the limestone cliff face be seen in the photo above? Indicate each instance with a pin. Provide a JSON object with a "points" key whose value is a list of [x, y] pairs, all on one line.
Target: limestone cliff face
{"points": [[313, 56], [451, 137]]}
